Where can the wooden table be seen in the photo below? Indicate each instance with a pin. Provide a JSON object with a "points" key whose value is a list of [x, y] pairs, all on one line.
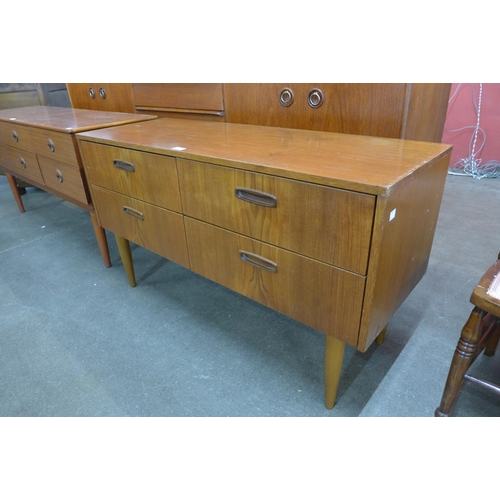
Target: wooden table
{"points": [[332, 230], [38, 145]]}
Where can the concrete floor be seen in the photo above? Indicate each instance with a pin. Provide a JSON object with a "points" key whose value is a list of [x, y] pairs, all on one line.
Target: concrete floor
{"points": [[77, 340]]}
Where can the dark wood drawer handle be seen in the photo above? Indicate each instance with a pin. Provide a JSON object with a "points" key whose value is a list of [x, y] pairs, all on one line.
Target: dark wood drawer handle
{"points": [[256, 197], [124, 165], [258, 261], [133, 213]]}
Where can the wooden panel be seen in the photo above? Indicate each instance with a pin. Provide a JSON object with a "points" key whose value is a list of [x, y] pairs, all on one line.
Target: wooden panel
{"points": [[403, 234], [427, 111], [313, 293], [327, 224], [63, 178], [182, 96], [160, 230], [119, 96], [150, 172], [54, 145], [20, 162], [363, 109]]}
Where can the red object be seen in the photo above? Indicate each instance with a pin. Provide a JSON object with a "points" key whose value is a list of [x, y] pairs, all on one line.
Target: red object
{"points": [[462, 112]]}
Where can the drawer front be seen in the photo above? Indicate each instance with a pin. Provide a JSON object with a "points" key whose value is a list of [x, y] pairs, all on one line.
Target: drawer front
{"points": [[54, 145], [195, 96], [316, 294], [144, 176], [331, 225], [18, 136], [20, 162], [64, 179], [154, 228]]}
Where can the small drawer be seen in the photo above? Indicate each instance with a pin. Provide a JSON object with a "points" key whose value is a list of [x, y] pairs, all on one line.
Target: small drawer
{"points": [[64, 179], [156, 229], [328, 224], [144, 176], [20, 162], [18, 136], [54, 145], [316, 294]]}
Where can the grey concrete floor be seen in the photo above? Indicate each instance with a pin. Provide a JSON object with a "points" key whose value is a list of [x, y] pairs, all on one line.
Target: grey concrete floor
{"points": [[77, 340]]}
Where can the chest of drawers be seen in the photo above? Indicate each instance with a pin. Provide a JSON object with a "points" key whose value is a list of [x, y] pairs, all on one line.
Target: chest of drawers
{"points": [[38, 145], [332, 230]]}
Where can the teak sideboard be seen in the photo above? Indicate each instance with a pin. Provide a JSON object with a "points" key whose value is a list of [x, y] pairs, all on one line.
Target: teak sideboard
{"points": [[38, 145], [332, 230]]}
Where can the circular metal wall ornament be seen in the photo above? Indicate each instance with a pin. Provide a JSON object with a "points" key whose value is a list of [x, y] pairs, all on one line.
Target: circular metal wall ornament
{"points": [[286, 97], [92, 93], [315, 98]]}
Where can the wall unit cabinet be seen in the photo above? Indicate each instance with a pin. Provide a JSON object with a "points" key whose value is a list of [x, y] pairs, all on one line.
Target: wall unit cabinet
{"points": [[332, 230], [414, 111]]}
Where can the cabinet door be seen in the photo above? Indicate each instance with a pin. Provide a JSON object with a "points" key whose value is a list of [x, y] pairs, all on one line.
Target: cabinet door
{"points": [[356, 108], [316, 294], [102, 96]]}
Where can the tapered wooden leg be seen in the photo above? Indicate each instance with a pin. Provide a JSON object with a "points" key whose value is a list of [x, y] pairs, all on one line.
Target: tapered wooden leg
{"points": [[381, 336], [102, 241], [334, 356], [462, 359], [15, 191], [126, 256]]}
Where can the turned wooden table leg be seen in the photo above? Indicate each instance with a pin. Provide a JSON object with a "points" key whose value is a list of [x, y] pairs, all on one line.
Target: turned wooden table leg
{"points": [[102, 241], [334, 355], [462, 359], [492, 344], [15, 191], [381, 336], [126, 256]]}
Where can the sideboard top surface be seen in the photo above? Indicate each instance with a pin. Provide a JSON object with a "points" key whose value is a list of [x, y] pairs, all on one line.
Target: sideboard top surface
{"points": [[68, 120], [362, 163]]}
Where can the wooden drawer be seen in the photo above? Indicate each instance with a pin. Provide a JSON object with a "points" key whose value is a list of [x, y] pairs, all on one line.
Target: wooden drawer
{"points": [[16, 135], [331, 225], [319, 295], [153, 177], [20, 162], [156, 229], [193, 96], [54, 145], [64, 179]]}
